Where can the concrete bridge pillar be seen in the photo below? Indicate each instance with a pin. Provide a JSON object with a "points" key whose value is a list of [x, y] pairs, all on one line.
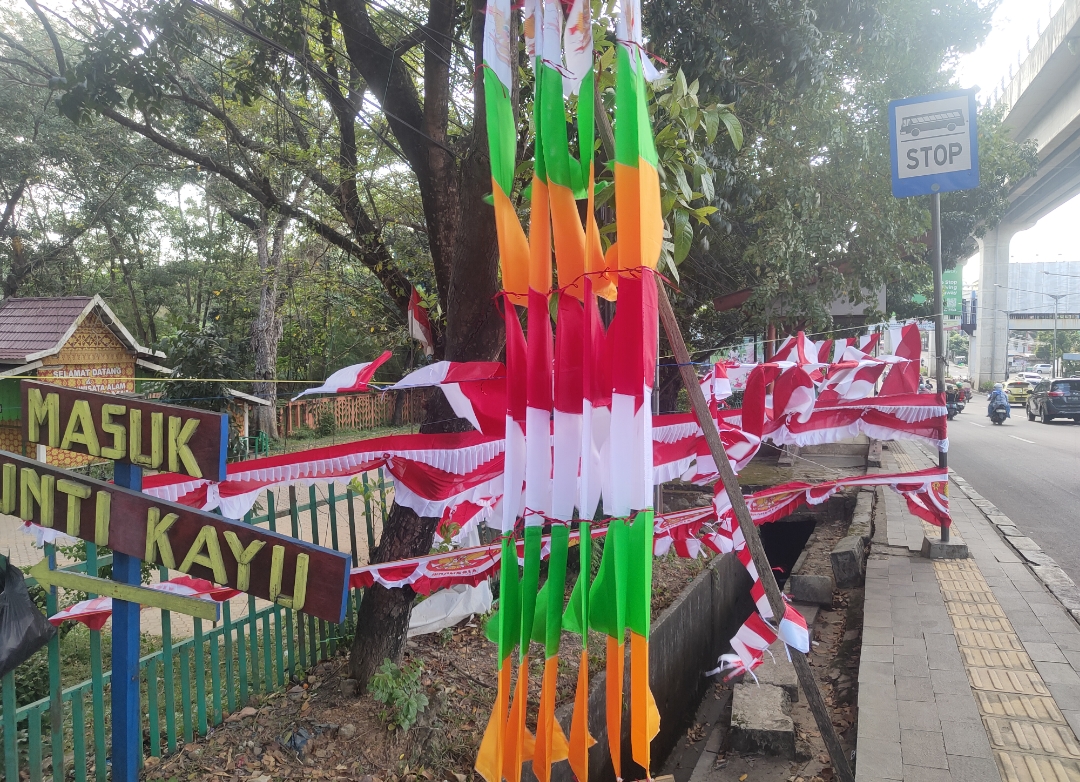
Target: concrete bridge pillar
{"points": [[991, 339]]}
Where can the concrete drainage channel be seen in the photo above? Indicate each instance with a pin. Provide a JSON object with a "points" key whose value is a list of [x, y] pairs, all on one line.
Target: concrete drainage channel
{"points": [[764, 726]]}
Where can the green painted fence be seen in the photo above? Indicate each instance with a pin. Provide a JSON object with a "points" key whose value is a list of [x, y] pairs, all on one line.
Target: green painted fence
{"points": [[189, 685]]}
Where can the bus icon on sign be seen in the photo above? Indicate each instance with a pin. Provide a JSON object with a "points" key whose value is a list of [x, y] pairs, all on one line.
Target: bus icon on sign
{"points": [[920, 123]]}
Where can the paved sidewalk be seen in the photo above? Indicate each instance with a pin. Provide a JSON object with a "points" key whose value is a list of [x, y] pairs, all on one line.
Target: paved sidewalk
{"points": [[969, 667]]}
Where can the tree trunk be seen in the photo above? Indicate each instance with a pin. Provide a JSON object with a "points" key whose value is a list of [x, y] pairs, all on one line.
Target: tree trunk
{"points": [[382, 620], [400, 396], [474, 332], [266, 330], [670, 385], [19, 270]]}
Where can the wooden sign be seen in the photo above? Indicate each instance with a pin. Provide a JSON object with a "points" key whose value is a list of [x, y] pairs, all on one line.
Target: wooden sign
{"points": [[156, 436], [275, 567], [143, 596]]}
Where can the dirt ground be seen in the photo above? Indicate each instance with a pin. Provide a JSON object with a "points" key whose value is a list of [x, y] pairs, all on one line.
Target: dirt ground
{"points": [[834, 658], [316, 731]]}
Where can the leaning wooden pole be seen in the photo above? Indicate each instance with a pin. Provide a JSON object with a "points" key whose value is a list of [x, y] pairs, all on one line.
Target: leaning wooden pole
{"points": [[749, 530]]}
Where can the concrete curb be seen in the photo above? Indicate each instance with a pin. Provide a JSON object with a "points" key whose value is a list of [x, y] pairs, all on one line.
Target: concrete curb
{"points": [[1038, 561]]}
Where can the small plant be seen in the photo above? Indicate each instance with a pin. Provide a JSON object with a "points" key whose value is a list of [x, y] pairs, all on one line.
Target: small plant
{"points": [[327, 422], [400, 691]]}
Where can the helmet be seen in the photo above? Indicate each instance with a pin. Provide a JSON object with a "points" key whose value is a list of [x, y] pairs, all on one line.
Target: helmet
{"points": [[997, 386]]}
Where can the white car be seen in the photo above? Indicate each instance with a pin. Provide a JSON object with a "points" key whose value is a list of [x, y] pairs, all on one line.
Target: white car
{"points": [[1031, 377], [1043, 369]]}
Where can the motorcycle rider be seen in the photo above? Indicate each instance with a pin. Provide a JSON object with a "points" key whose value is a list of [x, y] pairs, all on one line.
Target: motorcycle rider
{"points": [[998, 395]]}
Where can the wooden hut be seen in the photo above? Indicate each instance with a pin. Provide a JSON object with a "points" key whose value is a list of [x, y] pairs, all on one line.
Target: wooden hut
{"points": [[75, 341]]}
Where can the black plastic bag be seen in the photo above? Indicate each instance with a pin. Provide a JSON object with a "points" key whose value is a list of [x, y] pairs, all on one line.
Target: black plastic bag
{"points": [[23, 630]]}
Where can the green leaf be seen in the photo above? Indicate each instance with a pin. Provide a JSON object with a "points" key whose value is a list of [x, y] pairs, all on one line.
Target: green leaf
{"points": [[705, 184], [603, 196], [702, 213], [684, 186], [678, 91], [712, 124], [684, 236], [734, 127], [667, 202]]}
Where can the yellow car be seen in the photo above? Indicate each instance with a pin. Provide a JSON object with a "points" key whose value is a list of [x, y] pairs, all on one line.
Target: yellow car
{"points": [[1018, 391]]}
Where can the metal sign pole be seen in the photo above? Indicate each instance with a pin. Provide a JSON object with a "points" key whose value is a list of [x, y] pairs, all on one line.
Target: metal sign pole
{"points": [[126, 730], [934, 149], [939, 322]]}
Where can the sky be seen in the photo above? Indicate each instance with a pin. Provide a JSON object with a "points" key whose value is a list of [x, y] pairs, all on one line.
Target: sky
{"points": [[1016, 24]]}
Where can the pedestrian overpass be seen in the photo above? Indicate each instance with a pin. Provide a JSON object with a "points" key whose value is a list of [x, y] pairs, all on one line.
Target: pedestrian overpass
{"points": [[1042, 103], [1044, 322]]}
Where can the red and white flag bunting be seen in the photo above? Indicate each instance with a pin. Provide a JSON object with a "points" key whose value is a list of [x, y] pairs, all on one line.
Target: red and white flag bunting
{"points": [[93, 613], [476, 390], [752, 639], [350, 380], [926, 492], [842, 349], [793, 630], [853, 379], [716, 386], [895, 417], [434, 472], [798, 349], [906, 343], [472, 565], [431, 472]]}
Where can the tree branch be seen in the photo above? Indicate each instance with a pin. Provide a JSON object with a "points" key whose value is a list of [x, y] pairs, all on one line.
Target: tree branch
{"points": [[368, 249], [9, 208], [58, 52]]}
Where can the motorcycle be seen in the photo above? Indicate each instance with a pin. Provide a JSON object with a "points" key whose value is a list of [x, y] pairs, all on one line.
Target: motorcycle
{"points": [[953, 404], [999, 412]]}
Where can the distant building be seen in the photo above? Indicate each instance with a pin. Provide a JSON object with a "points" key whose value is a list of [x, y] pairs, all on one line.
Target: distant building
{"points": [[1021, 343], [74, 341], [1030, 282]]}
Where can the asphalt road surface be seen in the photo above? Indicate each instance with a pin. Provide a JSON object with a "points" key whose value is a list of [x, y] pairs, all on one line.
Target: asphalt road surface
{"points": [[1030, 470]]}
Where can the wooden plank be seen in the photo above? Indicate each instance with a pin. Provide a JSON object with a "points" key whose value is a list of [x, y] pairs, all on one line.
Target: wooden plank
{"points": [[285, 570]]}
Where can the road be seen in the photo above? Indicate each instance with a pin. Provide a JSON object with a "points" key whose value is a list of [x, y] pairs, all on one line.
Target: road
{"points": [[1030, 470]]}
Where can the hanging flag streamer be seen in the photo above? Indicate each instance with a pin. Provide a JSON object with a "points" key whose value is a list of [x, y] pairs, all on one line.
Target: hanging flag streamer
{"points": [[350, 380], [926, 492], [500, 55], [419, 324]]}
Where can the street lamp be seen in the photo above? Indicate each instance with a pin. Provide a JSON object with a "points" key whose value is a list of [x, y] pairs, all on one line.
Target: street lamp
{"points": [[1056, 297]]}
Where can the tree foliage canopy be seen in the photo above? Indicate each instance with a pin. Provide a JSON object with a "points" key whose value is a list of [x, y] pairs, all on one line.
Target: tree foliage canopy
{"points": [[261, 186]]}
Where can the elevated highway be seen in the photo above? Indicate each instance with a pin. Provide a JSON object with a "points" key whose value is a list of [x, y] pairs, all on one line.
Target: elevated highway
{"points": [[1042, 103]]}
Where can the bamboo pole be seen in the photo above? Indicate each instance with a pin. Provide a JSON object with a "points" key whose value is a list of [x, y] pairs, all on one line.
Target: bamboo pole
{"points": [[749, 530]]}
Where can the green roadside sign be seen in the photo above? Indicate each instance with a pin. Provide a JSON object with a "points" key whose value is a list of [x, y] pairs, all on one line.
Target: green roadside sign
{"points": [[952, 292]]}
